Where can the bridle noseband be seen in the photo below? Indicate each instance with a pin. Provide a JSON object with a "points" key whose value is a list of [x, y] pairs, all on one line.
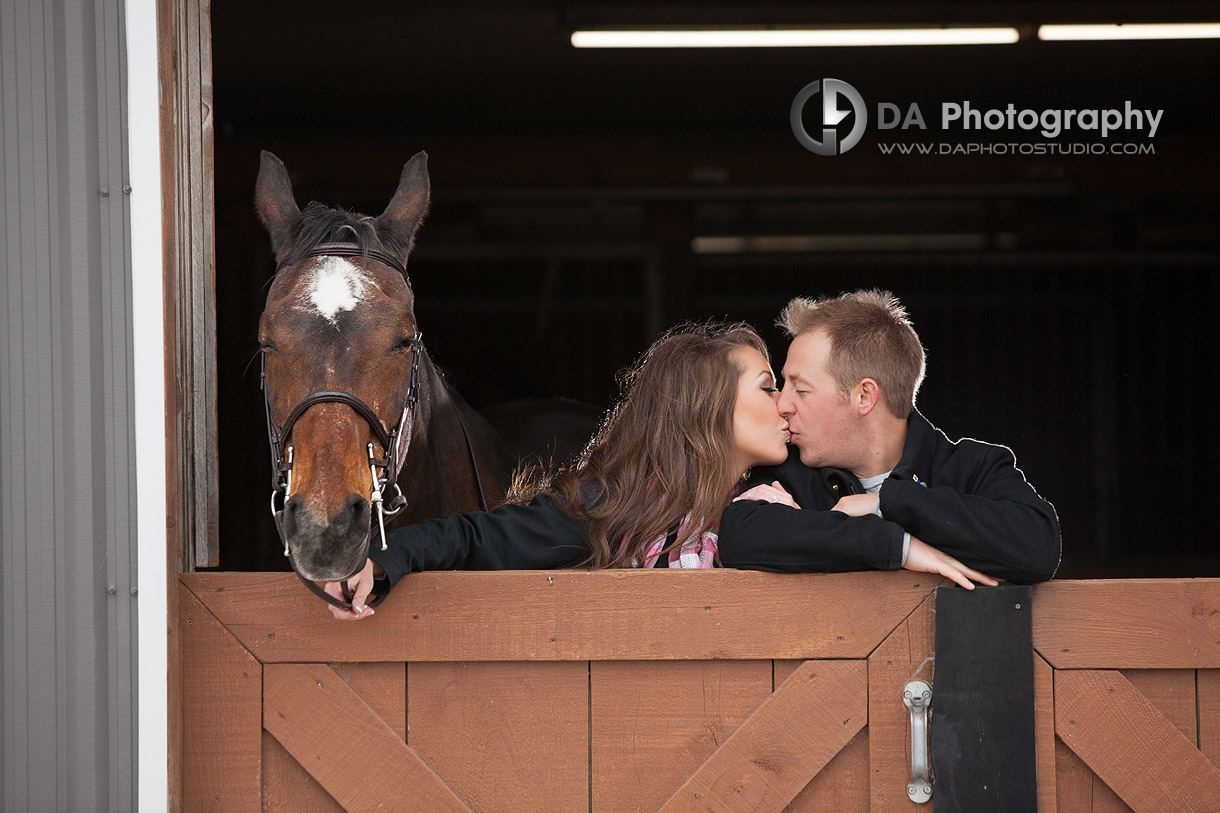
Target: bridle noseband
{"points": [[391, 441], [395, 443]]}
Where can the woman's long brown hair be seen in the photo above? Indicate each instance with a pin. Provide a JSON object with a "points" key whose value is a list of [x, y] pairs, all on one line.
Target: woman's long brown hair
{"points": [[664, 451]]}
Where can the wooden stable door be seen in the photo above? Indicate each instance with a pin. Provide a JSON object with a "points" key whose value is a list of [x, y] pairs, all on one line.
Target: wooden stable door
{"points": [[651, 690], [1128, 679]]}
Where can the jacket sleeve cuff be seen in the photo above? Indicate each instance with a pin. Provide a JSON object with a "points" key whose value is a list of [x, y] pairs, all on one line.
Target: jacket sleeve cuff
{"points": [[392, 567]]}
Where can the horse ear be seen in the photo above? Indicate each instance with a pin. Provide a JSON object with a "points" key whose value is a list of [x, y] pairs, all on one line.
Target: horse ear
{"points": [[397, 224], [277, 208]]}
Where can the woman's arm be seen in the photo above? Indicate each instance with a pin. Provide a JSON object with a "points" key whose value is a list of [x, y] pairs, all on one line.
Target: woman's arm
{"points": [[537, 536]]}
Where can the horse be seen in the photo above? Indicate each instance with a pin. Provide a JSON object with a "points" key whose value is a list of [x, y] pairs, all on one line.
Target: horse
{"points": [[362, 424]]}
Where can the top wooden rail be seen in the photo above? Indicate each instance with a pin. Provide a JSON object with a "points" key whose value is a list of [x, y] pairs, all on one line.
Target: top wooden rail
{"points": [[573, 615]]}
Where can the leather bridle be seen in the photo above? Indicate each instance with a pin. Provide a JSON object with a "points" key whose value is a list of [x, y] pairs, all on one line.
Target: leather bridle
{"points": [[395, 442]]}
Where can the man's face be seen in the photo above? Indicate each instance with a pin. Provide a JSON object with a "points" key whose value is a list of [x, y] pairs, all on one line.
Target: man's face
{"points": [[823, 422]]}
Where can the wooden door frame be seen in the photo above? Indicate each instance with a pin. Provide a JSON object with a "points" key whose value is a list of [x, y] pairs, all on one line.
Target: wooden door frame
{"points": [[187, 198], [184, 30], [1102, 654]]}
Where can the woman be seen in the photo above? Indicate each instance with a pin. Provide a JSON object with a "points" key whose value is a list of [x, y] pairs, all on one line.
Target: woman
{"points": [[699, 412]]}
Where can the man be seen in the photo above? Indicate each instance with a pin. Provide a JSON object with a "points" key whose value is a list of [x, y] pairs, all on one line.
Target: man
{"points": [[877, 486]]}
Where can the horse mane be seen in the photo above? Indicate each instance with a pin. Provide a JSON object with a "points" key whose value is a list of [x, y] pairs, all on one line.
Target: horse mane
{"points": [[322, 224]]}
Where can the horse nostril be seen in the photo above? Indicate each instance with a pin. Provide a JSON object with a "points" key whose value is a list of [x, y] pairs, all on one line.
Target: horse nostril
{"points": [[358, 510]]}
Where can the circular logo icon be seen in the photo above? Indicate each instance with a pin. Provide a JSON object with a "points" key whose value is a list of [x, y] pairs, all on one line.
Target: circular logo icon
{"points": [[831, 90]]}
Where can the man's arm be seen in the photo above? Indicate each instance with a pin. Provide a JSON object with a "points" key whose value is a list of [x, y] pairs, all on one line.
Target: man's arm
{"points": [[995, 522]]}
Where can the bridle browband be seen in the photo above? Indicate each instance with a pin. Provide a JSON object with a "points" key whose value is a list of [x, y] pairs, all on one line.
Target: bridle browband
{"points": [[395, 443]]}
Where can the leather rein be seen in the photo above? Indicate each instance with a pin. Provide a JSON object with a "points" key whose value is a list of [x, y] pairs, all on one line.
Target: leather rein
{"points": [[395, 442]]}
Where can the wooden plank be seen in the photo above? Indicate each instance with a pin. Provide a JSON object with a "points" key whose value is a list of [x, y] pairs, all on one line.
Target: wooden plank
{"points": [[221, 733], [654, 723], [1105, 800], [984, 742], [573, 615], [197, 285], [167, 33], [792, 736], [1208, 687], [289, 787], [906, 655], [383, 686], [344, 745], [1172, 693], [191, 207], [1128, 624], [840, 787], [1044, 727], [1130, 745], [506, 736], [179, 556], [207, 453], [175, 699], [1080, 789], [1073, 782], [781, 670]]}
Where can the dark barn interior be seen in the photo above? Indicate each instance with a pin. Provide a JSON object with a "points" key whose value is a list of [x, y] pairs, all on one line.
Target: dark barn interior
{"points": [[1066, 301]]}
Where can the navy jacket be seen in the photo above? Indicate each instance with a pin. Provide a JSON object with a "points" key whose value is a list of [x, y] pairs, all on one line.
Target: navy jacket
{"points": [[967, 498]]}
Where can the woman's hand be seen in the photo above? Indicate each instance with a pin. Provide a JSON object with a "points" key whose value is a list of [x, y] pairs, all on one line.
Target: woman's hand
{"points": [[924, 558], [361, 585], [773, 493]]}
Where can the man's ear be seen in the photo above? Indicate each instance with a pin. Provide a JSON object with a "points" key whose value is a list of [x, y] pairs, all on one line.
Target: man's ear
{"points": [[866, 396]]}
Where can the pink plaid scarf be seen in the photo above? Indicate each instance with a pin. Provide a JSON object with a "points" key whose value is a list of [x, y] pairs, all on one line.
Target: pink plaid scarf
{"points": [[697, 552], [700, 551]]}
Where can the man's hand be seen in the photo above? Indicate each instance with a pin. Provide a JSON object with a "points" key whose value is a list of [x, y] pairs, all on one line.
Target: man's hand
{"points": [[361, 585], [924, 558], [773, 493], [858, 505]]}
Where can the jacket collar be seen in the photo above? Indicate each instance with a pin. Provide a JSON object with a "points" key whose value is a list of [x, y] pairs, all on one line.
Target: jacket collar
{"points": [[921, 443], [918, 449], [840, 482]]}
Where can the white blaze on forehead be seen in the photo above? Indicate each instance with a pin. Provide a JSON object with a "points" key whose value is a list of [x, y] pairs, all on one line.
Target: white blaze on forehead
{"points": [[335, 285]]}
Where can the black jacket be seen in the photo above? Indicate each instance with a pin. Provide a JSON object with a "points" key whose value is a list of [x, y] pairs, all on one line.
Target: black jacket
{"points": [[537, 536], [967, 498]]}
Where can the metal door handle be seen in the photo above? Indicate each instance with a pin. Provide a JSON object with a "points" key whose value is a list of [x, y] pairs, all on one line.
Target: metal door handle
{"points": [[917, 697]]}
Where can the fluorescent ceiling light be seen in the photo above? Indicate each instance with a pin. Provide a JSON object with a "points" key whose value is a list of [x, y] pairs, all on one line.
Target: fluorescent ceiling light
{"points": [[1154, 31], [796, 244], [793, 38]]}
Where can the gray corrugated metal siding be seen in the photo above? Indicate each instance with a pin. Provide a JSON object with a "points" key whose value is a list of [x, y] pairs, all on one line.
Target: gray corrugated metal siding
{"points": [[67, 504]]}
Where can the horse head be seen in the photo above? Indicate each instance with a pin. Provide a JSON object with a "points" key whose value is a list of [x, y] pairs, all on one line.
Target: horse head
{"points": [[340, 343]]}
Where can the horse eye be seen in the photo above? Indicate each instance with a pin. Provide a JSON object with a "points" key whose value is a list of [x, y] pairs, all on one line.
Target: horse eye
{"points": [[405, 343]]}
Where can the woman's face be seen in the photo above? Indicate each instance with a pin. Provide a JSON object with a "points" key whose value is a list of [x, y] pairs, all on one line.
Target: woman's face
{"points": [[760, 434]]}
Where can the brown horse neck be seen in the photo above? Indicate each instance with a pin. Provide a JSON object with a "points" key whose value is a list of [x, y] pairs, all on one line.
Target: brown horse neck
{"points": [[438, 477]]}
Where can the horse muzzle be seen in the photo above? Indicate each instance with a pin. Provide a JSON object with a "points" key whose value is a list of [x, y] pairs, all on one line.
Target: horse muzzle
{"points": [[328, 548]]}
